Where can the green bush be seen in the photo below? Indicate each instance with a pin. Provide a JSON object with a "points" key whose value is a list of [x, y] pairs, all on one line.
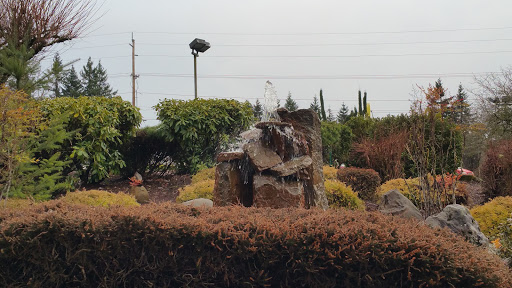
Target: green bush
{"points": [[99, 198], [336, 142], [201, 186], [201, 128], [495, 220], [496, 169], [99, 127], [340, 195], [55, 245], [363, 181]]}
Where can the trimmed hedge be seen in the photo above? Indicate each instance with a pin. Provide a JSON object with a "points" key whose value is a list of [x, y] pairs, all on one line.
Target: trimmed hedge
{"points": [[100, 198], [363, 181], [167, 245], [340, 195]]}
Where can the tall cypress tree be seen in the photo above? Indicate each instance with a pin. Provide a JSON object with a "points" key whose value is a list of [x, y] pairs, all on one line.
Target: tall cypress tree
{"points": [[322, 107], [71, 84], [360, 111], [365, 108], [290, 104]]}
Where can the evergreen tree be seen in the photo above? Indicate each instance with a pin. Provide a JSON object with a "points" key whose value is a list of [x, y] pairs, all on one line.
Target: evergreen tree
{"points": [[315, 106], [71, 84], [342, 114], [257, 110], [461, 111], [57, 73], [322, 107], [365, 106], [360, 111], [94, 80], [290, 104], [443, 103], [330, 115]]}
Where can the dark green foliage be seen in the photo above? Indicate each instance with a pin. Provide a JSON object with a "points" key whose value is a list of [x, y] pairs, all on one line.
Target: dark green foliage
{"points": [[343, 114], [57, 73], [360, 111], [323, 117], [496, 169], [71, 84], [94, 80], [290, 104], [173, 246], [41, 176], [100, 126], [148, 152], [201, 128], [258, 110], [316, 107], [361, 127], [365, 106], [461, 112], [363, 181], [336, 142]]}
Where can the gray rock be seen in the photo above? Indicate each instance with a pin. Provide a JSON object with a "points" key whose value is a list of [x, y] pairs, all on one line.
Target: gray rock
{"points": [[200, 202], [262, 157], [137, 176], [292, 167], [252, 135], [307, 122], [140, 193], [396, 204], [459, 220], [273, 192]]}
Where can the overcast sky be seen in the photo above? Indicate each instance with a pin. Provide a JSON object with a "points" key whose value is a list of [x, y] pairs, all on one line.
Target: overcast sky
{"points": [[383, 47]]}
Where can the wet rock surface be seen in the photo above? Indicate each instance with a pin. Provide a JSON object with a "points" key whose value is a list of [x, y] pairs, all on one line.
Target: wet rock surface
{"points": [[262, 157], [277, 193], [292, 167]]}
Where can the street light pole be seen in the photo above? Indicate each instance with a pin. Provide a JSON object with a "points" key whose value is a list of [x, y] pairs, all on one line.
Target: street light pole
{"points": [[197, 45]]}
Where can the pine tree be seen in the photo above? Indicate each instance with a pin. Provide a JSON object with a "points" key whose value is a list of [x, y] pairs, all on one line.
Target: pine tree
{"points": [[322, 107], [94, 80], [315, 106], [71, 84], [342, 114], [461, 111], [257, 110], [443, 103], [330, 115], [290, 104], [57, 73]]}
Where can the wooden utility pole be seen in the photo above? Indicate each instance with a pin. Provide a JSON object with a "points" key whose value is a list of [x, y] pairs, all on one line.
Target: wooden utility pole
{"points": [[134, 76]]}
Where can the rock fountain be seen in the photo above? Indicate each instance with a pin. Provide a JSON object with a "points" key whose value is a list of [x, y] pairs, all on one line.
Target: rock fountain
{"points": [[279, 163]]}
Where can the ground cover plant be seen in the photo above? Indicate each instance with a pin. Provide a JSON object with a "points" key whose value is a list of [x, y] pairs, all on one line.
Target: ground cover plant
{"points": [[59, 245]]}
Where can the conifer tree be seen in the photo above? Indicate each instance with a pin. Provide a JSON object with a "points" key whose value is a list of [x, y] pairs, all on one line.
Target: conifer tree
{"points": [[360, 111], [57, 73], [94, 80], [365, 106], [330, 115], [343, 114], [71, 84], [461, 111], [322, 107], [316, 106], [290, 104], [258, 110]]}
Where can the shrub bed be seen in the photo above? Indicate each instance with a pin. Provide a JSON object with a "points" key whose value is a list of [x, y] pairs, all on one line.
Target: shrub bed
{"points": [[363, 181], [166, 245], [201, 186], [340, 195]]}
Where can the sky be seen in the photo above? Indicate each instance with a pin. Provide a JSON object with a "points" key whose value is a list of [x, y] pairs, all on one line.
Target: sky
{"points": [[386, 48]]}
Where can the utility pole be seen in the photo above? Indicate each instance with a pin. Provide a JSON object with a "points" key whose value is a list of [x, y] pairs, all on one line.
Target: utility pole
{"points": [[134, 76]]}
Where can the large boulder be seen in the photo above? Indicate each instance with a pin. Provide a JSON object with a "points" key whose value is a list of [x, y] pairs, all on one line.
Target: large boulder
{"points": [[394, 203], [273, 192], [307, 122], [458, 219], [230, 187], [292, 167], [262, 157]]}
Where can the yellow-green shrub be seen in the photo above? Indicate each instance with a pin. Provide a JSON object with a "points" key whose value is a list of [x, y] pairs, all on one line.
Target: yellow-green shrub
{"points": [[408, 188], [15, 203], [340, 195], [330, 173], [100, 198], [204, 174], [203, 189], [495, 220]]}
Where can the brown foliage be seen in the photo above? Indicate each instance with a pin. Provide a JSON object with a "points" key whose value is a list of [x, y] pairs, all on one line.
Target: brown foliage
{"points": [[363, 181], [42, 23], [383, 154], [496, 169], [56, 245]]}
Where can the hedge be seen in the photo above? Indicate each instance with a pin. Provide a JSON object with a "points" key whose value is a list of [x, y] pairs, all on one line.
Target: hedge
{"points": [[167, 245], [363, 181]]}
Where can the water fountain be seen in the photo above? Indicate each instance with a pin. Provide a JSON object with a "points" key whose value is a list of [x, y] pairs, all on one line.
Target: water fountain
{"points": [[280, 164]]}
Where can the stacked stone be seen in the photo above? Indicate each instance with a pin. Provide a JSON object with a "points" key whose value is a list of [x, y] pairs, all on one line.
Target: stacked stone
{"points": [[277, 167]]}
